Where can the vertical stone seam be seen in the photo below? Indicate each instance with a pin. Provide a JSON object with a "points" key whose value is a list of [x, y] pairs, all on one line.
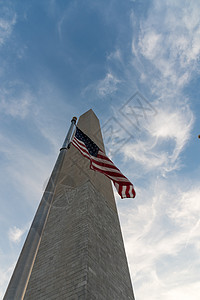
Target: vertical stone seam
{"points": [[87, 251]]}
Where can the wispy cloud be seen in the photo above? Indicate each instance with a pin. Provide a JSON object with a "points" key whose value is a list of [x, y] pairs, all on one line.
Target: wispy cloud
{"points": [[165, 54], [104, 87], [5, 273], [27, 169], [165, 137], [116, 55], [15, 234], [169, 39], [108, 85], [7, 21], [161, 234], [15, 106], [186, 213]]}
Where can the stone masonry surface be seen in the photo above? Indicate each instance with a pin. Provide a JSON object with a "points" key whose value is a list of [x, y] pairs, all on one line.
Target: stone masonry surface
{"points": [[81, 255]]}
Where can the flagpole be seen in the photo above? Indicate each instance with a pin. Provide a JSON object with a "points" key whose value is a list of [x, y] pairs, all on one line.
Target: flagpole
{"points": [[20, 278], [69, 134]]}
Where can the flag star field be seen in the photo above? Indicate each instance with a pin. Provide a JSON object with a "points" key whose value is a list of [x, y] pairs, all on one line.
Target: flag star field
{"points": [[136, 64]]}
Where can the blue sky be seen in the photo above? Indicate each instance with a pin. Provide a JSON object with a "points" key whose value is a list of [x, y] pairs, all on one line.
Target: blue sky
{"points": [[136, 64]]}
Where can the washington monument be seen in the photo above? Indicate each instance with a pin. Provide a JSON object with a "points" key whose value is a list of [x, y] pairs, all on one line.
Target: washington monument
{"points": [[74, 249]]}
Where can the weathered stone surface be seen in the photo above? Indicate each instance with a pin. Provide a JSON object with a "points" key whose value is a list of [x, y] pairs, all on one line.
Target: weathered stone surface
{"points": [[81, 255]]}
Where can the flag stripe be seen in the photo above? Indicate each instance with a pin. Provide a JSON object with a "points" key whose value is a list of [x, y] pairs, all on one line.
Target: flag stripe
{"points": [[83, 151], [113, 178], [124, 191], [130, 191], [103, 161], [103, 168]]}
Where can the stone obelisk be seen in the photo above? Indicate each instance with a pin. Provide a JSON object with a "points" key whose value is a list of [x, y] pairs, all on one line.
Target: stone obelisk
{"points": [[80, 253]]}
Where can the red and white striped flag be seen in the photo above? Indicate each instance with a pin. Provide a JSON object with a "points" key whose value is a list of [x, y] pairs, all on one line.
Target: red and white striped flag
{"points": [[101, 163]]}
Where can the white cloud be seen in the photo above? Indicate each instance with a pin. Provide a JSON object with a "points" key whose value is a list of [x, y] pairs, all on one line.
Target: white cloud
{"points": [[186, 291], [108, 85], [164, 138], [186, 214], [160, 289], [174, 125], [150, 44], [141, 152], [15, 234], [170, 39]]}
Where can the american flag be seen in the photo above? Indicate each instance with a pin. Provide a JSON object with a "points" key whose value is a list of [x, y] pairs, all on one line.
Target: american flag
{"points": [[101, 163]]}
